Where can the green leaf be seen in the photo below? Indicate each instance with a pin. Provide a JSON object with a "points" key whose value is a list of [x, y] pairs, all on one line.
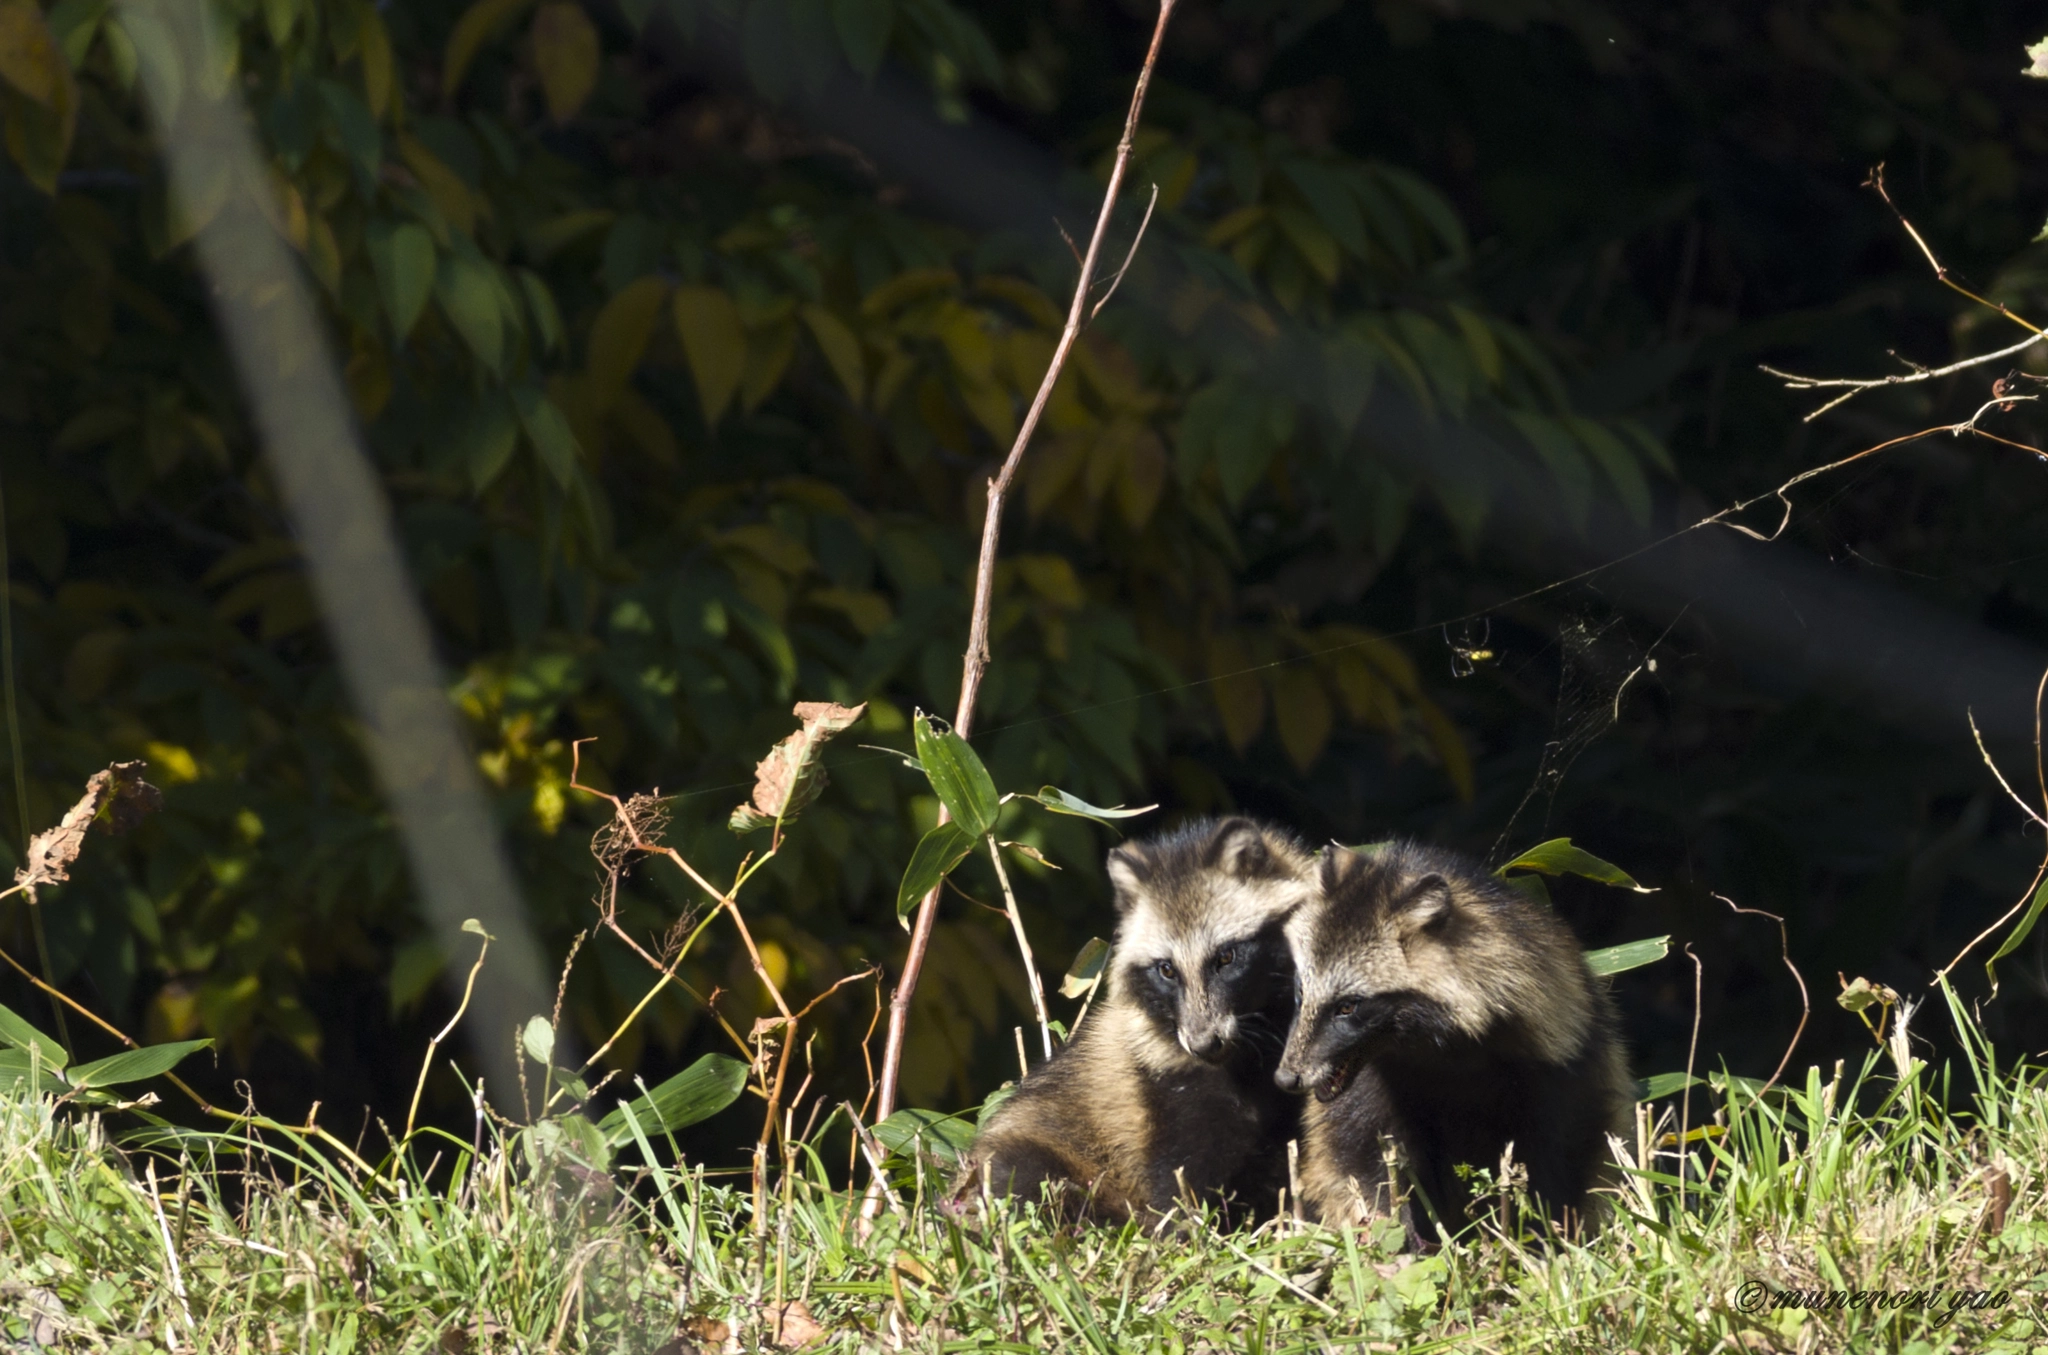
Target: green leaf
{"points": [[1059, 802], [957, 776], [1633, 955], [135, 1064], [864, 31], [1621, 468], [2018, 934], [18, 1033], [16, 1067], [697, 1093], [943, 848], [402, 256], [1668, 1084], [1559, 857], [492, 437], [538, 1039], [540, 303], [548, 431], [941, 1135], [1086, 971], [1530, 887], [469, 298]]}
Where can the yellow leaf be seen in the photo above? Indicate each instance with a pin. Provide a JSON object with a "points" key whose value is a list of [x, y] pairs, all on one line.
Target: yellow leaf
{"points": [[906, 287], [1240, 696], [1026, 298], [644, 424], [768, 355], [771, 545], [441, 183], [868, 612], [841, 350], [1143, 480], [775, 961], [41, 101], [1052, 578], [566, 52], [379, 71], [1479, 341], [1301, 710], [993, 409], [1050, 469], [1235, 224], [478, 24], [29, 58], [171, 763], [619, 335], [1310, 240], [709, 325]]}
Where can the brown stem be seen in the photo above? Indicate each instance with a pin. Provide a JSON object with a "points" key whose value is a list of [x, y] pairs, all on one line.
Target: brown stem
{"points": [[975, 661]]}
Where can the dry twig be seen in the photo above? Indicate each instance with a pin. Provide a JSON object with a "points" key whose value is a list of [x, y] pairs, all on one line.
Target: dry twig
{"points": [[975, 662]]}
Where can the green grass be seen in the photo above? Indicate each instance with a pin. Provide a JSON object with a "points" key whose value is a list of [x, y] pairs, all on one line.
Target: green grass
{"points": [[1842, 1182]]}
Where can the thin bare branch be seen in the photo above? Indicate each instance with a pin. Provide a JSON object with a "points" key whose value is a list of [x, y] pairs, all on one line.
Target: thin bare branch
{"points": [[1854, 386], [1805, 1000], [995, 854], [1129, 255], [1876, 181], [1985, 753], [976, 659]]}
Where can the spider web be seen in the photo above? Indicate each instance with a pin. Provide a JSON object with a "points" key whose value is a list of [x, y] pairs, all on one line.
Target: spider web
{"points": [[1599, 664]]}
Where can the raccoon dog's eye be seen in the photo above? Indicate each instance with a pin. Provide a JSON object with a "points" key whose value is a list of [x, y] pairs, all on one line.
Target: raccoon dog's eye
{"points": [[1226, 956], [1167, 971], [1347, 1008]]}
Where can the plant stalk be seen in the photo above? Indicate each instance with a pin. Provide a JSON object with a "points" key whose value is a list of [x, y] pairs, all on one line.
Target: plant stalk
{"points": [[975, 662]]}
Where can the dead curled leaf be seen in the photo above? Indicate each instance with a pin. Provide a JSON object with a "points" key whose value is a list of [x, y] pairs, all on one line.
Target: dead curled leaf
{"points": [[789, 777], [121, 791]]}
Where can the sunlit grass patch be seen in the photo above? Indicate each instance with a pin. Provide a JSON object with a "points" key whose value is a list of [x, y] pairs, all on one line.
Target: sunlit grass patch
{"points": [[1900, 1225]]}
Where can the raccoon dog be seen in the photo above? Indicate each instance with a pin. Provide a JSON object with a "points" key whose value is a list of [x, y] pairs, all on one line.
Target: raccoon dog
{"points": [[1453, 1015], [1168, 1085]]}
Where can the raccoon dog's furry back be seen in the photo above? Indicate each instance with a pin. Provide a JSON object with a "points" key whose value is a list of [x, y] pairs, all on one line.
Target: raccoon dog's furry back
{"points": [[1168, 1085], [1455, 1015]]}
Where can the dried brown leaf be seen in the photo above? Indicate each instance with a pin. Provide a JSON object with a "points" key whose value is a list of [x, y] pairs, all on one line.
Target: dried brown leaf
{"points": [[121, 791], [789, 778], [791, 1326]]}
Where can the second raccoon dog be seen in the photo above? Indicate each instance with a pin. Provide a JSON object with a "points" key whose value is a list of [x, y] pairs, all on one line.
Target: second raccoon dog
{"points": [[1455, 1015], [1168, 1084]]}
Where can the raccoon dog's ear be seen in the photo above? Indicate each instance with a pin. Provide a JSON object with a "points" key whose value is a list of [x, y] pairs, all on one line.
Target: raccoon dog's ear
{"points": [[1129, 869], [1426, 904], [1249, 851], [1340, 864]]}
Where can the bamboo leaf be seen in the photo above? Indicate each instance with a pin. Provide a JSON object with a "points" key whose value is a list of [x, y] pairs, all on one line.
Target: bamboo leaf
{"points": [[1668, 1084], [1633, 955], [1086, 971], [135, 1064], [2018, 934], [938, 851], [944, 1136], [697, 1093], [1559, 857], [18, 1033], [958, 777]]}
